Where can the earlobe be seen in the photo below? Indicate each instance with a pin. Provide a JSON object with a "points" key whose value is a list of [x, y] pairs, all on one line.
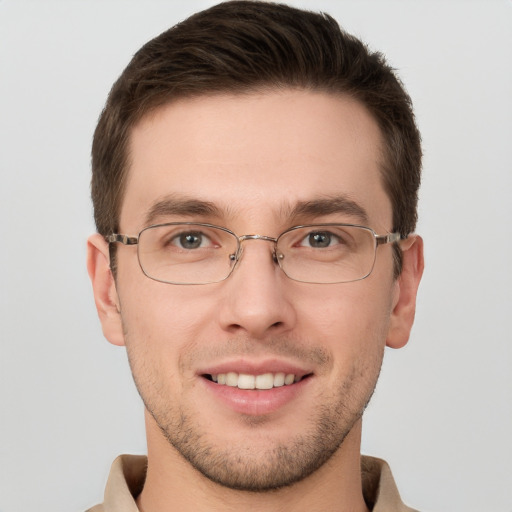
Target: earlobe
{"points": [[404, 306], [104, 289]]}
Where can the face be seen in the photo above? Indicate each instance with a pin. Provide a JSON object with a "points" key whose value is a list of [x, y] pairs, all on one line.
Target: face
{"points": [[250, 163]]}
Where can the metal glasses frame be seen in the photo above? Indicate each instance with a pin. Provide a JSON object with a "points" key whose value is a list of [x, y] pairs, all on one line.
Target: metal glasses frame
{"points": [[236, 256]]}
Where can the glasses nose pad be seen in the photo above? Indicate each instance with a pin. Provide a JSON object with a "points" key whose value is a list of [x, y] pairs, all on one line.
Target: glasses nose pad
{"points": [[277, 257], [235, 257]]}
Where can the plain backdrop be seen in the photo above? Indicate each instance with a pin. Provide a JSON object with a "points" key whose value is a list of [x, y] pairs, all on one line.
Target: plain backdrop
{"points": [[442, 413]]}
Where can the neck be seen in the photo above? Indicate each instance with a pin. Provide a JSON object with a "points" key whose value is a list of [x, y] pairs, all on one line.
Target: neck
{"points": [[173, 484]]}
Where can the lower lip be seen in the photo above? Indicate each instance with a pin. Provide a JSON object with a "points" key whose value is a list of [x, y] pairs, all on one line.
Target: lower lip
{"points": [[256, 402]]}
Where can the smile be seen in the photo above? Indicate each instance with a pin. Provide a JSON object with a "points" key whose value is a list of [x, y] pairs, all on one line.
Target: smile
{"points": [[257, 388], [262, 381]]}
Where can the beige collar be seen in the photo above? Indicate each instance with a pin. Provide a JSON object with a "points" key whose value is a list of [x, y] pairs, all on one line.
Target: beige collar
{"points": [[128, 473]]}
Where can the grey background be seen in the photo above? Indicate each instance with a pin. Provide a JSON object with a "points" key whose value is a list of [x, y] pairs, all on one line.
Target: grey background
{"points": [[442, 413]]}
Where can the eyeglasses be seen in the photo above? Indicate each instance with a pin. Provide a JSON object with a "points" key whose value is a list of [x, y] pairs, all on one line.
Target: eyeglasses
{"points": [[196, 253]]}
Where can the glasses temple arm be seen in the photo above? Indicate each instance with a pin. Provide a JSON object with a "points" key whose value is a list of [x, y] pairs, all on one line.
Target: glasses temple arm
{"points": [[387, 239], [124, 239]]}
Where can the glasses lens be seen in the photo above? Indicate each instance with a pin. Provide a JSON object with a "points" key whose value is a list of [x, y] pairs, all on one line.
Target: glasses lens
{"points": [[186, 253], [327, 253]]}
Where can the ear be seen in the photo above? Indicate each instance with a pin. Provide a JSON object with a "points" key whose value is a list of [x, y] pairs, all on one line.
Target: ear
{"points": [[406, 288], [104, 289]]}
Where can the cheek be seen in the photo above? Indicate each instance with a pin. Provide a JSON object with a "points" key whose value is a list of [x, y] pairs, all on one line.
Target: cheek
{"points": [[161, 310], [157, 335], [351, 311], [352, 323], [162, 323]]}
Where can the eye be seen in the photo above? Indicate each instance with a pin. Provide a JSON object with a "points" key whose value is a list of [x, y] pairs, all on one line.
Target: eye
{"points": [[320, 239], [191, 240]]}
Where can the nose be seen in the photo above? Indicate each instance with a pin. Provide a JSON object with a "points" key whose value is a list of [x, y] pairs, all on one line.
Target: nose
{"points": [[256, 297]]}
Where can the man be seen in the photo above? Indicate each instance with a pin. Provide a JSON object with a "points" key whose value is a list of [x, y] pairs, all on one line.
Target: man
{"points": [[255, 177]]}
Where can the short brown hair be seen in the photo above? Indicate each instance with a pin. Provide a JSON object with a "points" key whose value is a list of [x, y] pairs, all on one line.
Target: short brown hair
{"points": [[244, 46]]}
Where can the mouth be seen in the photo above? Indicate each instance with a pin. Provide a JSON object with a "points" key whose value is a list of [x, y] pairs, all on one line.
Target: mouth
{"points": [[256, 388], [263, 381]]}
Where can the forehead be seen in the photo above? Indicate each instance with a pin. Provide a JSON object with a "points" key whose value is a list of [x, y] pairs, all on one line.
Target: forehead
{"points": [[254, 157]]}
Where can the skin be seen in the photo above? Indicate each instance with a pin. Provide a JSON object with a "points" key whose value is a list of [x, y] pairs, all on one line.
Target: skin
{"points": [[254, 157]]}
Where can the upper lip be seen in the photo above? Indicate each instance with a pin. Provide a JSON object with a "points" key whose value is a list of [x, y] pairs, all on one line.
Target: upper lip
{"points": [[255, 367]]}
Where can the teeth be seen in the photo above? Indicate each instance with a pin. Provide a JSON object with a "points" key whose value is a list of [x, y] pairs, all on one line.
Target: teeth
{"points": [[279, 379], [232, 379], [246, 381], [263, 381], [289, 379]]}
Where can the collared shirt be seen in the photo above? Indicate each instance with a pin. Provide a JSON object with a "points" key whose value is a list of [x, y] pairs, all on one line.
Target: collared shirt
{"points": [[128, 473]]}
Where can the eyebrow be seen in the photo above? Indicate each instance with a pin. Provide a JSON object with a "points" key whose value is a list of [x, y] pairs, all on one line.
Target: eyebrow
{"points": [[339, 204], [183, 206]]}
